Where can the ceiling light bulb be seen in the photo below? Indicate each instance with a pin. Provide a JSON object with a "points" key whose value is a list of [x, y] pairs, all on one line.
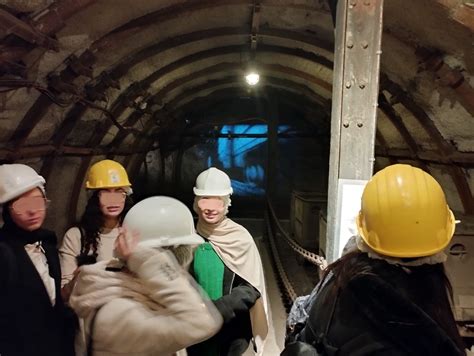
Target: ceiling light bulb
{"points": [[252, 78]]}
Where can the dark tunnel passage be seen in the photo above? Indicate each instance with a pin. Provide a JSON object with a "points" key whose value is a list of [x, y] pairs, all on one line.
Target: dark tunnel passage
{"points": [[342, 90]]}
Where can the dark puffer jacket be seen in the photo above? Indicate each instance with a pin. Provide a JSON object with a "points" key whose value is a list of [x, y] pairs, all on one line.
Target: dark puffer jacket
{"points": [[29, 324], [373, 315]]}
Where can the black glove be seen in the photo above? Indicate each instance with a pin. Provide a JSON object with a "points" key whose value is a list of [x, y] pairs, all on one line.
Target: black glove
{"points": [[240, 300]]}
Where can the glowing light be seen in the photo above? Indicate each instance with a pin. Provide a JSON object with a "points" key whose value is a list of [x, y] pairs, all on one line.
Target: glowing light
{"points": [[252, 78]]}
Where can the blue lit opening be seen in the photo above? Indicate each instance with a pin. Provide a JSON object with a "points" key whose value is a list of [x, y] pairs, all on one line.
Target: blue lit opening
{"points": [[244, 157]]}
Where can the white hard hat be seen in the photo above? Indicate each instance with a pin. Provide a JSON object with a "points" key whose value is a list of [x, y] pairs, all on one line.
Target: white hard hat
{"points": [[162, 221], [213, 182], [16, 179]]}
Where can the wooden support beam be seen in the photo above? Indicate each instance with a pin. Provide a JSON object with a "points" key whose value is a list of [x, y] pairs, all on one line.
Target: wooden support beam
{"points": [[187, 8], [267, 78], [445, 150], [448, 77], [30, 120], [382, 147], [41, 106], [462, 159], [49, 150], [109, 79], [76, 189], [464, 190], [254, 27], [10, 24], [120, 69], [397, 121], [45, 25], [52, 21]]}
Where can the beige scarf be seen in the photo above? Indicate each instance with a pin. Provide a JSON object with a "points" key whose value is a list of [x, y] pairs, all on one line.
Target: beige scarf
{"points": [[237, 249]]}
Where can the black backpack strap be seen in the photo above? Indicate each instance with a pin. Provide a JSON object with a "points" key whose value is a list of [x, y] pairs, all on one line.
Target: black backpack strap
{"points": [[315, 342], [316, 333]]}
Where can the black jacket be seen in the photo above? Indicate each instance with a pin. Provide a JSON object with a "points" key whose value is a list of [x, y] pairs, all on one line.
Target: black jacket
{"points": [[29, 324], [373, 315], [234, 337]]}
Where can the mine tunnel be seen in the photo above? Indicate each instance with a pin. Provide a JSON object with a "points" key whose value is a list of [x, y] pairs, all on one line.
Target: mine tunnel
{"points": [[294, 99]]}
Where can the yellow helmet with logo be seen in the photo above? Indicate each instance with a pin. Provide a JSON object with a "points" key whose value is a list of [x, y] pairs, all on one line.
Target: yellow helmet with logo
{"points": [[107, 174], [404, 213]]}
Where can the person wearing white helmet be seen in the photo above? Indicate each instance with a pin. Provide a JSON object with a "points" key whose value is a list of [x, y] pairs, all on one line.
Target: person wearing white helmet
{"points": [[33, 318], [92, 238], [150, 306], [228, 267]]}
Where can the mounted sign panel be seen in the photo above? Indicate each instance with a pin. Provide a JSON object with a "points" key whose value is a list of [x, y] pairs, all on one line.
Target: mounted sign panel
{"points": [[348, 206]]}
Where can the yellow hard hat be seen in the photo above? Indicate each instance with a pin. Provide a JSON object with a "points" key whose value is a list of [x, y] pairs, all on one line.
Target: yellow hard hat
{"points": [[107, 174], [404, 213]]}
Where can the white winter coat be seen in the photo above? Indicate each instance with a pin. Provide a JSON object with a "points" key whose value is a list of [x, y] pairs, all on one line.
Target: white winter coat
{"points": [[155, 310]]}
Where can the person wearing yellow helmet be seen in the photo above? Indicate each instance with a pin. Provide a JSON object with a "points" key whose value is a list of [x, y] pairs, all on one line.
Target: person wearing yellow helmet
{"points": [[92, 238], [390, 295]]}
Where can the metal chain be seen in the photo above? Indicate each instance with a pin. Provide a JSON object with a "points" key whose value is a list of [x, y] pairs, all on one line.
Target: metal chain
{"points": [[308, 255], [288, 292]]}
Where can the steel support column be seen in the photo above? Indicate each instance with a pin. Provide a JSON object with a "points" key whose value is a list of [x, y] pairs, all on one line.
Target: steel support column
{"points": [[354, 102]]}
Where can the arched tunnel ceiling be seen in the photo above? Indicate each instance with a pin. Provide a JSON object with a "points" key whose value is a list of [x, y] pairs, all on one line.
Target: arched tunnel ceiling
{"points": [[82, 79]]}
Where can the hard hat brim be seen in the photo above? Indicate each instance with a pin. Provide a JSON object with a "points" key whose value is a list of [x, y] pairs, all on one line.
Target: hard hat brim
{"points": [[214, 193], [409, 253], [193, 239], [107, 186]]}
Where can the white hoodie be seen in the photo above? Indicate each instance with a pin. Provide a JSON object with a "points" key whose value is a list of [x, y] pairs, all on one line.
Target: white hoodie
{"points": [[155, 310]]}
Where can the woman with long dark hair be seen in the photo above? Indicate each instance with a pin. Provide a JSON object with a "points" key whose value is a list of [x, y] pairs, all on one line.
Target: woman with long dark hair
{"points": [[148, 304], [391, 295], [33, 318], [92, 238]]}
